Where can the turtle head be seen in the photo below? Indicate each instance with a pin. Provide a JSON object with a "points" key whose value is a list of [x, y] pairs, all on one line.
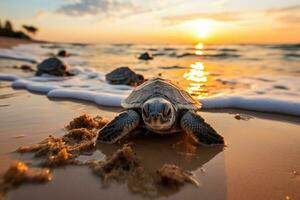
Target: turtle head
{"points": [[158, 114]]}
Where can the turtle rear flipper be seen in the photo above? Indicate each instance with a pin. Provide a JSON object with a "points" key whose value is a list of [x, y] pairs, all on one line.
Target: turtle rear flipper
{"points": [[194, 124], [120, 126]]}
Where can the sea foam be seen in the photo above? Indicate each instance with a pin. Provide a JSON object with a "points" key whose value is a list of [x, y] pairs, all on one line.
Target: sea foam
{"points": [[263, 104], [263, 93], [276, 94], [86, 85]]}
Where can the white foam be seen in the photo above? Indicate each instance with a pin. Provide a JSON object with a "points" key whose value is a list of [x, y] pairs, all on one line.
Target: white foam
{"points": [[277, 94], [265, 93], [100, 98], [263, 104], [18, 55], [83, 86], [8, 77], [33, 86]]}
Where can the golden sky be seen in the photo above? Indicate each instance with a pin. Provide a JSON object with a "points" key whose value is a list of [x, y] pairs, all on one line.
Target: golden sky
{"points": [[158, 21]]}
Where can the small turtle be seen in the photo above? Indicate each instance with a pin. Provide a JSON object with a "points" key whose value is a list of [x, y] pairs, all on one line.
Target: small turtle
{"points": [[161, 107], [124, 75], [145, 56], [63, 53], [53, 66]]}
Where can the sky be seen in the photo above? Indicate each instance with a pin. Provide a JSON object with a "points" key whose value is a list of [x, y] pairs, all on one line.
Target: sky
{"points": [[158, 21]]}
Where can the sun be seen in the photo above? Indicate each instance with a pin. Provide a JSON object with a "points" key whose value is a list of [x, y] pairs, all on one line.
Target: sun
{"points": [[202, 28]]}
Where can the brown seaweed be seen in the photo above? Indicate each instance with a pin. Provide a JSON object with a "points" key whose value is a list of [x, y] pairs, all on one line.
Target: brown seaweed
{"points": [[86, 121], [19, 173], [172, 175], [80, 135], [118, 166]]}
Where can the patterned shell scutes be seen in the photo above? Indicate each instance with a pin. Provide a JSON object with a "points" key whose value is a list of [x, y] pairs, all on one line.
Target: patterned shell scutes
{"points": [[158, 87], [120, 73], [51, 64]]}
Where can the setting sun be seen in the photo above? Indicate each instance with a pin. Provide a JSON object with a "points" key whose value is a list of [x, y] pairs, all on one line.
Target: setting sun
{"points": [[202, 28]]}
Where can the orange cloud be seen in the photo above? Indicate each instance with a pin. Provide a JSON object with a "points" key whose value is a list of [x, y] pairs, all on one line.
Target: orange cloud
{"points": [[218, 16]]}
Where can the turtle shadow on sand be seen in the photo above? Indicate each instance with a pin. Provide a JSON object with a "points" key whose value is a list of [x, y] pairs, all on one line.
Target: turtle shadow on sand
{"points": [[154, 151]]}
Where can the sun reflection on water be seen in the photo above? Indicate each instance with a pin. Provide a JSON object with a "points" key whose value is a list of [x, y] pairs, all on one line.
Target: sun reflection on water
{"points": [[199, 49], [199, 46], [199, 52], [197, 77]]}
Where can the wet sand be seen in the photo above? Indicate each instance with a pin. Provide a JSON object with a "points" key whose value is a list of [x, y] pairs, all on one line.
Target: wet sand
{"points": [[259, 162]]}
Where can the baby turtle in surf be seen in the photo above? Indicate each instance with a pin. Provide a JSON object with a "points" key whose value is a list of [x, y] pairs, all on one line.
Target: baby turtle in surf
{"points": [[145, 56], [125, 76], [161, 107], [53, 66], [63, 53]]}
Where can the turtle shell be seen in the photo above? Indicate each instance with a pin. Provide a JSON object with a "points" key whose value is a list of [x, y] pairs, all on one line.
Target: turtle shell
{"points": [[120, 74], [124, 75], [52, 64], [159, 87]]}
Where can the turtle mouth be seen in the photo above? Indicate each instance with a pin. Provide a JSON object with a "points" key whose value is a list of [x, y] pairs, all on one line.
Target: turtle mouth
{"points": [[158, 127], [158, 123], [157, 119]]}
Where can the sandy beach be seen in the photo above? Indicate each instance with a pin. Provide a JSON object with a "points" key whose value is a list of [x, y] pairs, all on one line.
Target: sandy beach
{"points": [[254, 165], [261, 159]]}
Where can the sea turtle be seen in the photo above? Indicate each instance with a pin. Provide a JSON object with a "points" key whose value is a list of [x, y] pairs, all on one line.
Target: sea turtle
{"points": [[63, 53], [145, 56], [124, 75], [53, 66], [161, 107]]}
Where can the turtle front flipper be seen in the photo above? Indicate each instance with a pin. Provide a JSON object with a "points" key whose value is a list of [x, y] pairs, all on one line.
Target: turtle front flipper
{"points": [[120, 126], [194, 124]]}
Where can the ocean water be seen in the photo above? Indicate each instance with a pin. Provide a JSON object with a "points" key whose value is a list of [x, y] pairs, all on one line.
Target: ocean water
{"points": [[255, 77]]}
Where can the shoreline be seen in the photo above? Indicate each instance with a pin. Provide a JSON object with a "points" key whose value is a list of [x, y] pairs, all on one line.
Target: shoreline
{"points": [[7, 42]]}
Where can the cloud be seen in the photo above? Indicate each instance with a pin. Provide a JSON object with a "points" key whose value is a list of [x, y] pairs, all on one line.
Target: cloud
{"points": [[218, 16], [283, 9], [219, 3], [97, 7], [287, 15]]}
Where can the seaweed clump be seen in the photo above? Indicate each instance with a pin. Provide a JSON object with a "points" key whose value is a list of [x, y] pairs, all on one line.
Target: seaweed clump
{"points": [[118, 166], [63, 150], [125, 166], [88, 122], [172, 175], [19, 173], [55, 151]]}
